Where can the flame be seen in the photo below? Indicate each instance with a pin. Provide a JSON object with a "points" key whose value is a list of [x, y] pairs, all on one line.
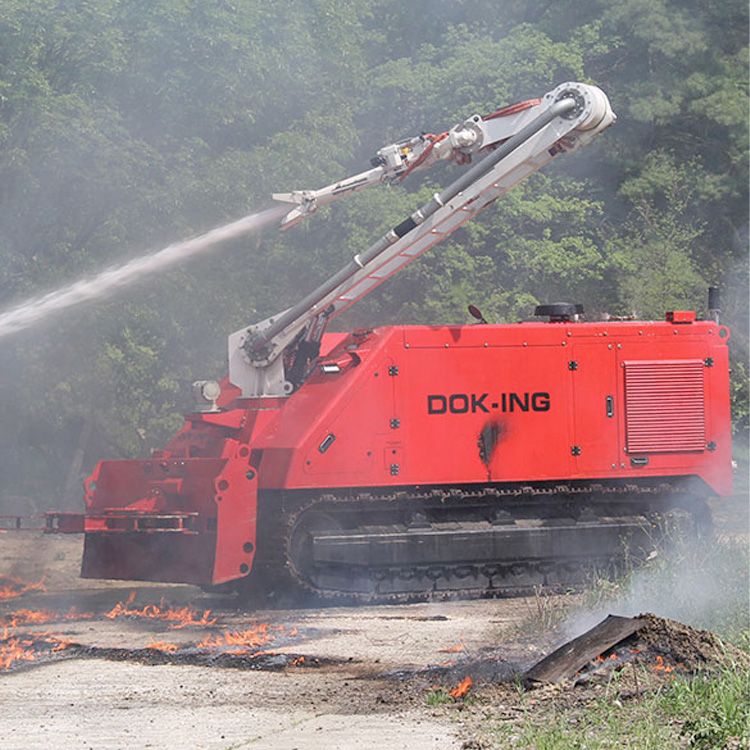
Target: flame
{"points": [[176, 618], [611, 657], [10, 588], [453, 649], [30, 646], [61, 646], [661, 667], [254, 638], [120, 607], [27, 647], [462, 688], [13, 650], [40, 616], [29, 616], [187, 616], [168, 648]]}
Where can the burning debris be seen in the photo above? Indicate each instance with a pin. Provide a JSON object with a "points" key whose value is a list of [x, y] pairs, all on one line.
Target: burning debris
{"points": [[246, 641], [648, 650], [659, 647], [462, 689], [455, 678], [11, 588], [41, 616], [455, 649], [573, 656], [158, 653], [250, 648], [15, 650], [175, 618]]}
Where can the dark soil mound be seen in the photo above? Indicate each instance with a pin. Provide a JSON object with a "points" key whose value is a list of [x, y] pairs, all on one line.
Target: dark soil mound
{"points": [[690, 648]]}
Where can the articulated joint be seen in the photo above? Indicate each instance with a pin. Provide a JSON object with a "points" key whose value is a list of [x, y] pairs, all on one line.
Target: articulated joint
{"points": [[256, 346], [573, 110], [586, 104]]}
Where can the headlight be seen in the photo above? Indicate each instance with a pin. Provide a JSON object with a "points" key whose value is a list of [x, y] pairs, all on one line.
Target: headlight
{"points": [[205, 393]]}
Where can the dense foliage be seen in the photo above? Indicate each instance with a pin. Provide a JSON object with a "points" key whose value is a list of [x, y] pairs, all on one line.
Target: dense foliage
{"points": [[127, 125]]}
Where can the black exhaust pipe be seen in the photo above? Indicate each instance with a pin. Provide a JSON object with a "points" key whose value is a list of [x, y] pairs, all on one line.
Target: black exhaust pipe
{"points": [[714, 303]]}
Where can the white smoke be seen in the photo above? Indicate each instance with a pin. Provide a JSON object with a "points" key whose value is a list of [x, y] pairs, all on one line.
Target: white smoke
{"points": [[704, 583]]}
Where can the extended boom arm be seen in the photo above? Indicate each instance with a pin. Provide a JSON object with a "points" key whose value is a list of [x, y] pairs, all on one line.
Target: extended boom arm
{"points": [[519, 140]]}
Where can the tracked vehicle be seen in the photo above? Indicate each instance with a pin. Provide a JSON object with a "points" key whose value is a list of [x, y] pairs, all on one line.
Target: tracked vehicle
{"points": [[408, 461]]}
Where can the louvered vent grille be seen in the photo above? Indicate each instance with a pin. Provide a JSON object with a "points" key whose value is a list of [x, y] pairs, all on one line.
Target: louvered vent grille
{"points": [[664, 406]]}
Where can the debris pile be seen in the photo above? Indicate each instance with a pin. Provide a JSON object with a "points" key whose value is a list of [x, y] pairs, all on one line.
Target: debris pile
{"points": [[661, 648]]}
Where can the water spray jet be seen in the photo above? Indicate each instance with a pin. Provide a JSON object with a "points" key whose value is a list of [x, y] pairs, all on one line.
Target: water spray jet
{"points": [[37, 309]]}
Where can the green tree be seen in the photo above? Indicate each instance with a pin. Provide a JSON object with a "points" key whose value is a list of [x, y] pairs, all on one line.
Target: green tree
{"points": [[126, 126]]}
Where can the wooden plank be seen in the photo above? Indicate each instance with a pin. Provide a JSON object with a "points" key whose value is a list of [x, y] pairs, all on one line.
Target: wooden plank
{"points": [[564, 662]]}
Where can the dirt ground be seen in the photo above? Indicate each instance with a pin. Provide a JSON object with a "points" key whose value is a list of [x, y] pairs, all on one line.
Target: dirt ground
{"points": [[345, 693], [336, 678]]}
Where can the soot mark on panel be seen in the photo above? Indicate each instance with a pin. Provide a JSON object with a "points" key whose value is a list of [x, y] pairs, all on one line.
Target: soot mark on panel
{"points": [[489, 438]]}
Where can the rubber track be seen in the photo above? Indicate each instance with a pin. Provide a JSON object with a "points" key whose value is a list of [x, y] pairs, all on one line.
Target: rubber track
{"points": [[659, 494]]}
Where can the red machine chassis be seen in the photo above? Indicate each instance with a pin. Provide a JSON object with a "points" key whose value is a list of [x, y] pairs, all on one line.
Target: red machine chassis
{"points": [[412, 407]]}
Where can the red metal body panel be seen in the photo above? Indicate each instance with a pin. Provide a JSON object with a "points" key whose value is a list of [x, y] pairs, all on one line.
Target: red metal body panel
{"points": [[416, 406], [516, 403]]}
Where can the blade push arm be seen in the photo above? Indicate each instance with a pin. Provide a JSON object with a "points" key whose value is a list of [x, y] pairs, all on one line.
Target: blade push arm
{"points": [[565, 119]]}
